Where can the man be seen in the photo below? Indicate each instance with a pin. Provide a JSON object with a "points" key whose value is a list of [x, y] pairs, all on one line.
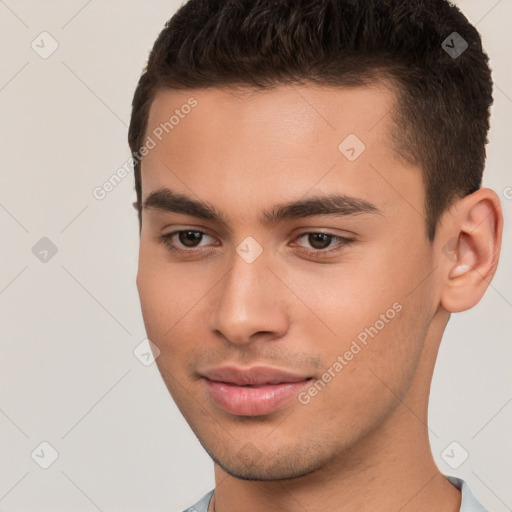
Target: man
{"points": [[308, 179]]}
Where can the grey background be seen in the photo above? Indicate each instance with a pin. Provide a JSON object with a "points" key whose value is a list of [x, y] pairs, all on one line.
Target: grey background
{"points": [[68, 326]]}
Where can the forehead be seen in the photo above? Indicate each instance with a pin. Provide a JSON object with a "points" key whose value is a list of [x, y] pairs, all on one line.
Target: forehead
{"points": [[252, 145], [285, 115]]}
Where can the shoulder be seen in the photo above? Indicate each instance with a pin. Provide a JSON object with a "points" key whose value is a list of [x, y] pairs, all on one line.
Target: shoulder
{"points": [[202, 504], [468, 502]]}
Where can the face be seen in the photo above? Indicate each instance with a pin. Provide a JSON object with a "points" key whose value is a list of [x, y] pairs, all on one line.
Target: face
{"points": [[282, 272]]}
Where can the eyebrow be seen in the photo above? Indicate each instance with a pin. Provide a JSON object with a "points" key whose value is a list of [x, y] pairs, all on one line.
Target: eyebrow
{"points": [[337, 205]]}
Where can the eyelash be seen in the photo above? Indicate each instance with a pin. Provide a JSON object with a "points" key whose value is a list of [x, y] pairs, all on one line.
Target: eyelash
{"points": [[166, 240]]}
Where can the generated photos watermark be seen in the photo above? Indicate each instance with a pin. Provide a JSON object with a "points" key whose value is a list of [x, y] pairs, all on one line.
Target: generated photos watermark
{"points": [[357, 345], [101, 191]]}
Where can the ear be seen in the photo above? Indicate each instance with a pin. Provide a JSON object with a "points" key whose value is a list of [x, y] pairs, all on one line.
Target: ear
{"points": [[470, 254]]}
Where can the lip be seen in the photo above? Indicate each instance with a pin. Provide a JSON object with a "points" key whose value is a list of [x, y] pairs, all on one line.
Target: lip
{"points": [[252, 376], [253, 391]]}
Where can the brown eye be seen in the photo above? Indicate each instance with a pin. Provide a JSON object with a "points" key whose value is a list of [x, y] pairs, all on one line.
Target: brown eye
{"points": [[189, 238], [319, 240], [184, 241], [321, 243]]}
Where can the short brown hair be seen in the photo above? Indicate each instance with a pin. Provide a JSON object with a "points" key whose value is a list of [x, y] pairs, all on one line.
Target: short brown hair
{"points": [[443, 99]]}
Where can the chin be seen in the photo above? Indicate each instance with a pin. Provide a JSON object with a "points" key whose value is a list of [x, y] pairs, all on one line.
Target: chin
{"points": [[250, 464], [263, 473]]}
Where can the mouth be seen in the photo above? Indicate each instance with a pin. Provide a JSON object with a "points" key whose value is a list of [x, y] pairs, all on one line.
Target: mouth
{"points": [[255, 391]]}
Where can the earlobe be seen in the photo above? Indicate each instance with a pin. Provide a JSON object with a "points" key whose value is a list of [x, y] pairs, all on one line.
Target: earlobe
{"points": [[470, 257]]}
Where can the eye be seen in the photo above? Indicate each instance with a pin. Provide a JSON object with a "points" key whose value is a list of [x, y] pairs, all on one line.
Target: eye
{"points": [[322, 241], [179, 241]]}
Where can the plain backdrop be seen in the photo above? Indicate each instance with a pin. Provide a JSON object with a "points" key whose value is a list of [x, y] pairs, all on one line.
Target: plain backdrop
{"points": [[69, 312]]}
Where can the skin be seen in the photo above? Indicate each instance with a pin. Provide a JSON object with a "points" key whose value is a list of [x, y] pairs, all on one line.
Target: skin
{"points": [[362, 442]]}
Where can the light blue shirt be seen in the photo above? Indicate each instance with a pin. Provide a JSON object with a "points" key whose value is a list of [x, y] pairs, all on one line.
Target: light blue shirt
{"points": [[468, 502]]}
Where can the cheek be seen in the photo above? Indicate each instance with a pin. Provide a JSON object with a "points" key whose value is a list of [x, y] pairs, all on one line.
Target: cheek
{"points": [[365, 313], [366, 368], [172, 300], [344, 300], [164, 308], [159, 297]]}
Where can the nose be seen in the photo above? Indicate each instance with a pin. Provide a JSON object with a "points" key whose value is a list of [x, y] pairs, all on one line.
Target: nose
{"points": [[250, 303]]}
